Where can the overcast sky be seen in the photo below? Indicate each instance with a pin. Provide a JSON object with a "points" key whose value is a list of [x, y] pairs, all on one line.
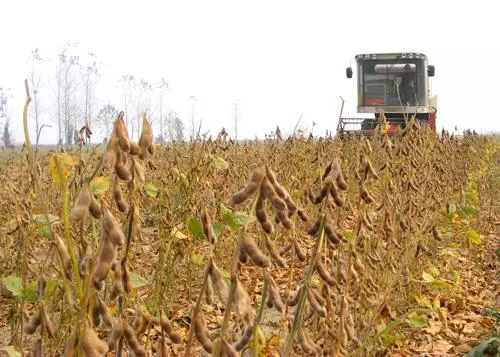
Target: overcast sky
{"points": [[280, 59]]}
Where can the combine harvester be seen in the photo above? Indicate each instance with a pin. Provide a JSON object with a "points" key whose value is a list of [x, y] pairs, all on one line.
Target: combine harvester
{"points": [[394, 86]]}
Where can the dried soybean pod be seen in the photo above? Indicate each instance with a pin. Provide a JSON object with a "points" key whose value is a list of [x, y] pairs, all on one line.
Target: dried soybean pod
{"points": [[341, 183], [323, 192], [315, 227], [127, 284], [323, 273], [302, 215], [109, 158], [104, 312], [253, 251], [82, 204], [336, 196], [358, 265], [219, 283], [269, 192], [243, 257], [139, 170], [64, 254], [435, 234], [275, 295], [135, 149], [327, 171], [228, 350], [201, 331], [132, 340], [280, 190], [241, 343], [117, 287], [122, 133], [146, 139], [122, 171], [207, 226], [96, 317], [290, 205], [112, 227], [283, 217], [209, 291], [166, 326], [316, 306], [162, 349], [118, 197], [253, 184], [34, 322], [286, 249], [298, 252], [274, 254], [243, 304], [71, 342], [318, 297], [304, 343], [330, 234], [269, 301], [94, 208], [267, 227], [106, 256], [293, 301], [91, 345], [116, 334]]}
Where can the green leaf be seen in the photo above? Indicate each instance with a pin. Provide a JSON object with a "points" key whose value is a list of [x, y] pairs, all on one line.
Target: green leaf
{"points": [[442, 283], [452, 208], [11, 351], [219, 163], [29, 292], [138, 281], [41, 225], [234, 219], [428, 278], [217, 227], [474, 237], [436, 303], [469, 211], [195, 228], [388, 339], [151, 190], [14, 284], [417, 320], [50, 289], [99, 185], [348, 234], [423, 301], [472, 196], [197, 259]]}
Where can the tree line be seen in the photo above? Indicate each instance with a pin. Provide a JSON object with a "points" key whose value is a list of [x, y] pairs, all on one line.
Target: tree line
{"points": [[66, 100]]}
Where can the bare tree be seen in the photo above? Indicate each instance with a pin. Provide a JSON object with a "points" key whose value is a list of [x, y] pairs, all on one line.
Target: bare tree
{"points": [[5, 117], [162, 87], [35, 83], [236, 117], [105, 117], [67, 111], [193, 99], [175, 127], [127, 83], [90, 75]]}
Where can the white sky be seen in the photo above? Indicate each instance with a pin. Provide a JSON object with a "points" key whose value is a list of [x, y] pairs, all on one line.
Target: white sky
{"points": [[281, 59]]}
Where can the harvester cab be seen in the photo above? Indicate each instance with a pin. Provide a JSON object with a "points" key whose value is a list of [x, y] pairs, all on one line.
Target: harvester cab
{"points": [[394, 86]]}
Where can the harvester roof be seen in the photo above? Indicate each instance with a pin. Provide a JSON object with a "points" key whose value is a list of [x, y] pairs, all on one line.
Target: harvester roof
{"points": [[389, 56]]}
